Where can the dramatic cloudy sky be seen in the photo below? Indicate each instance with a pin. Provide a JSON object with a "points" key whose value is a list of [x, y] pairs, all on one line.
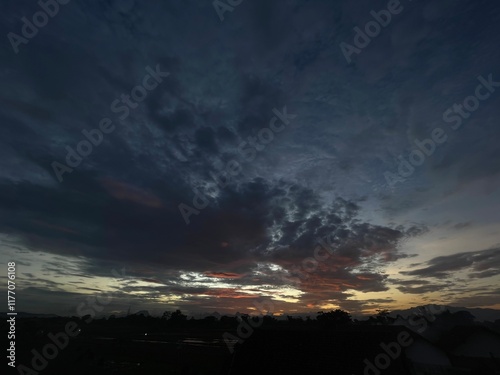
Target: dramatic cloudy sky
{"points": [[113, 223]]}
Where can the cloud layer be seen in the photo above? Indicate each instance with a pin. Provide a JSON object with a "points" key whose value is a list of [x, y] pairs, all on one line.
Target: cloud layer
{"points": [[322, 173]]}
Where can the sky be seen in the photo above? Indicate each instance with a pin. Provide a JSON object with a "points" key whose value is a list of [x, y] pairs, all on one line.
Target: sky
{"points": [[253, 156]]}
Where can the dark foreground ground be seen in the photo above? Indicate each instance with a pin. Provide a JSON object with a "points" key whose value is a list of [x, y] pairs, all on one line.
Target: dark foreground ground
{"points": [[139, 345], [127, 352], [126, 356]]}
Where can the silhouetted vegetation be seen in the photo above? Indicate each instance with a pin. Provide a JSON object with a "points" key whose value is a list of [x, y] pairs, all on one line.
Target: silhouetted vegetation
{"points": [[175, 343], [335, 318]]}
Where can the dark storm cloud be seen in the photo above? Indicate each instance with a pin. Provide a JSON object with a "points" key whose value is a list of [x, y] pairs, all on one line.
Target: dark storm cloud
{"points": [[421, 289], [480, 264], [119, 207], [421, 286], [208, 91], [248, 224]]}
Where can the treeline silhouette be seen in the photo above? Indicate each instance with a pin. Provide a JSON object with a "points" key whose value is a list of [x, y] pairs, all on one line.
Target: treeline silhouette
{"points": [[334, 318], [171, 321]]}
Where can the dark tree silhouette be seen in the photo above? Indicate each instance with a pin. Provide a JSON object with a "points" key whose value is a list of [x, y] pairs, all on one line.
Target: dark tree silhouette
{"points": [[336, 317], [177, 317], [382, 317]]}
